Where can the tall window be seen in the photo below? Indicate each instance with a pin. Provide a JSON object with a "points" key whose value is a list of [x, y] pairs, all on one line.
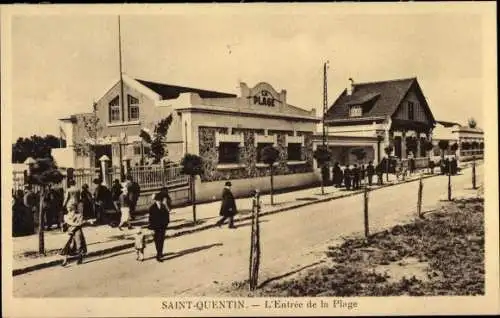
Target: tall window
{"points": [[114, 109], [411, 111], [355, 111], [260, 146], [294, 151], [229, 152], [133, 108]]}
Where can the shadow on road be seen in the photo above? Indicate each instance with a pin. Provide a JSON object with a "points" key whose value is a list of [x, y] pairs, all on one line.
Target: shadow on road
{"points": [[191, 250], [272, 279]]}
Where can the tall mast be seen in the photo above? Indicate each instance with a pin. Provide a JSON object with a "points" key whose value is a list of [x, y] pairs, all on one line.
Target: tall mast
{"points": [[325, 100], [122, 101]]}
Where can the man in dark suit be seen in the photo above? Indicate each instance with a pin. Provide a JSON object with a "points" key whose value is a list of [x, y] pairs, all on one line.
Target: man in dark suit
{"points": [[355, 177], [159, 217], [228, 206], [370, 171]]}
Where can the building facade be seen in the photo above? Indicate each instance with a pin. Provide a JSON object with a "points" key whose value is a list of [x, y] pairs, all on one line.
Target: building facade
{"points": [[226, 130], [368, 117], [469, 141]]}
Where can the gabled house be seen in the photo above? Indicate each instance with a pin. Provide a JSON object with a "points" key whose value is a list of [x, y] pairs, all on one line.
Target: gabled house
{"points": [[375, 114]]}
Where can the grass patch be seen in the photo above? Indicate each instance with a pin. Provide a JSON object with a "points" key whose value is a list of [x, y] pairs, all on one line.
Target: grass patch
{"points": [[442, 254]]}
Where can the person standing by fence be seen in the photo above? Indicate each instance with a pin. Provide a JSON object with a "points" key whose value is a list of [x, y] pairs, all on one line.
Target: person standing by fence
{"points": [[100, 200], [134, 191], [370, 171], [124, 208], [87, 205], [158, 222], [116, 191]]}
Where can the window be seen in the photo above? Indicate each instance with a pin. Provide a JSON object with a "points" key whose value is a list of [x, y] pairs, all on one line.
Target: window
{"points": [[260, 146], [133, 108], [114, 109], [355, 111], [294, 151], [411, 111], [229, 152]]}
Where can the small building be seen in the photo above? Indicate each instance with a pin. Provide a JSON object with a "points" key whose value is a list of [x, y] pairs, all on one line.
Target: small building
{"points": [[367, 117], [226, 130], [469, 140]]}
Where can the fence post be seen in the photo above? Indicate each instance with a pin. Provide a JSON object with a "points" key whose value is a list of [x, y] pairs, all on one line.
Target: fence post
{"points": [[365, 208], [419, 196], [474, 172], [254, 261], [449, 181]]}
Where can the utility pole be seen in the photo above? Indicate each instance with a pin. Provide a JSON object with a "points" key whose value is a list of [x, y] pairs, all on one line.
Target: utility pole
{"points": [[122, 102], [325, 101]]}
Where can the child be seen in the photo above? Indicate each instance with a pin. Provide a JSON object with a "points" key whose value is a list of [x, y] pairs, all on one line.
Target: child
{"points": [[140, 244]]}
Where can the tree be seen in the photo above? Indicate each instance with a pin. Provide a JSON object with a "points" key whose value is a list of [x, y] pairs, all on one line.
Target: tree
{"points": [[35, 147], [443, 145], [192, 165], [43, 173], [428, 146], [388, 151], [269, 156], [322, 156], [157, 139], [91, 125], [472, 123], [454, 148]]}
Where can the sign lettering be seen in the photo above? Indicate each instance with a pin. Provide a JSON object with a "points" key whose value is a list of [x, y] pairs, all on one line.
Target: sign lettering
{"points": [[264, 98]]}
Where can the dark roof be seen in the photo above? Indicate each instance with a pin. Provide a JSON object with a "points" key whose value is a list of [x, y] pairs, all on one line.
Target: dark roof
{"points": [[384, 97], [172, 92]]}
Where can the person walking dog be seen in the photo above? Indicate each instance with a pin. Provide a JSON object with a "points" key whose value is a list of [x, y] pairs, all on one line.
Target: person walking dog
{"points": [[228, 206], [159, 217]]}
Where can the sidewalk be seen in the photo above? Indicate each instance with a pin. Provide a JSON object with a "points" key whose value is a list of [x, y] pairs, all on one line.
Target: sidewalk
{"points": [[104, 239]]}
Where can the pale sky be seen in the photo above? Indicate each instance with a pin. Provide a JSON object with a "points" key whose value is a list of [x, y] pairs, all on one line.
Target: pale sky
{"points": [[61, 63]]}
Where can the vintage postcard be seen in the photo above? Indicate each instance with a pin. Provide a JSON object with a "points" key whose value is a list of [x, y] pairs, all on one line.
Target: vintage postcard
{"points": [[249, 159]]}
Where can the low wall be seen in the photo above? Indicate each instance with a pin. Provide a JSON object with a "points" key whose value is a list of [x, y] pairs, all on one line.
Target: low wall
{"points": [[210, 191], [179, 196]]}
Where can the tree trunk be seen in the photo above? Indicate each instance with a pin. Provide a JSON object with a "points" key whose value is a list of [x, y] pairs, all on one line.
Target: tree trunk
{"points": [[41, 225], [365, 209], [419, 197], [387, 170], [272, 184], [449, 183], [193, 196], [322, 179]]}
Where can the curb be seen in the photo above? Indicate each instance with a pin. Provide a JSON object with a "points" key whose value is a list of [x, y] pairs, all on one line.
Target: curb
{"points": [[24, 270]]}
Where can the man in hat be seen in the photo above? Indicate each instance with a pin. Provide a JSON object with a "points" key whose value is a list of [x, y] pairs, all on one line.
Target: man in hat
{"points": [[159, 217], [228, 206]]}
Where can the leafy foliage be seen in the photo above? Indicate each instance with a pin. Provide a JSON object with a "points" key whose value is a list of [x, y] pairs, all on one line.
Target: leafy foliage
{"points": [[454, 147], [34, 146], [428, 146], [157, 139], [269, 155], [92, 126], [322, 155], [45, 172], [443, 144], [388, 150], [192, 165], [472, 123], [360, 153]]}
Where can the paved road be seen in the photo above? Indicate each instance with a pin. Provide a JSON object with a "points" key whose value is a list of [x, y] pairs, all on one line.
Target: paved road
{"points": [[201, 263]]}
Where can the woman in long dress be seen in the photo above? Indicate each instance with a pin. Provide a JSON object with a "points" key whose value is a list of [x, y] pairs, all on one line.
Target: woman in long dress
{"points": [[124, 208], [76, 244]]}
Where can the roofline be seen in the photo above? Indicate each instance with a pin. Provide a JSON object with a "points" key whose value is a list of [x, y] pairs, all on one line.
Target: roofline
{"points": [[387, 81], [230, 95]]}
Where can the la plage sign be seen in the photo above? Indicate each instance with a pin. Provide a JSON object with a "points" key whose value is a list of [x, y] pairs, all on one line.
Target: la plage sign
{"points": [[264, 98]]}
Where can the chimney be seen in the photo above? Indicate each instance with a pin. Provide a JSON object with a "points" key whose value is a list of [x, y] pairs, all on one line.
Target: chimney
{"points": [[350, 87]]}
